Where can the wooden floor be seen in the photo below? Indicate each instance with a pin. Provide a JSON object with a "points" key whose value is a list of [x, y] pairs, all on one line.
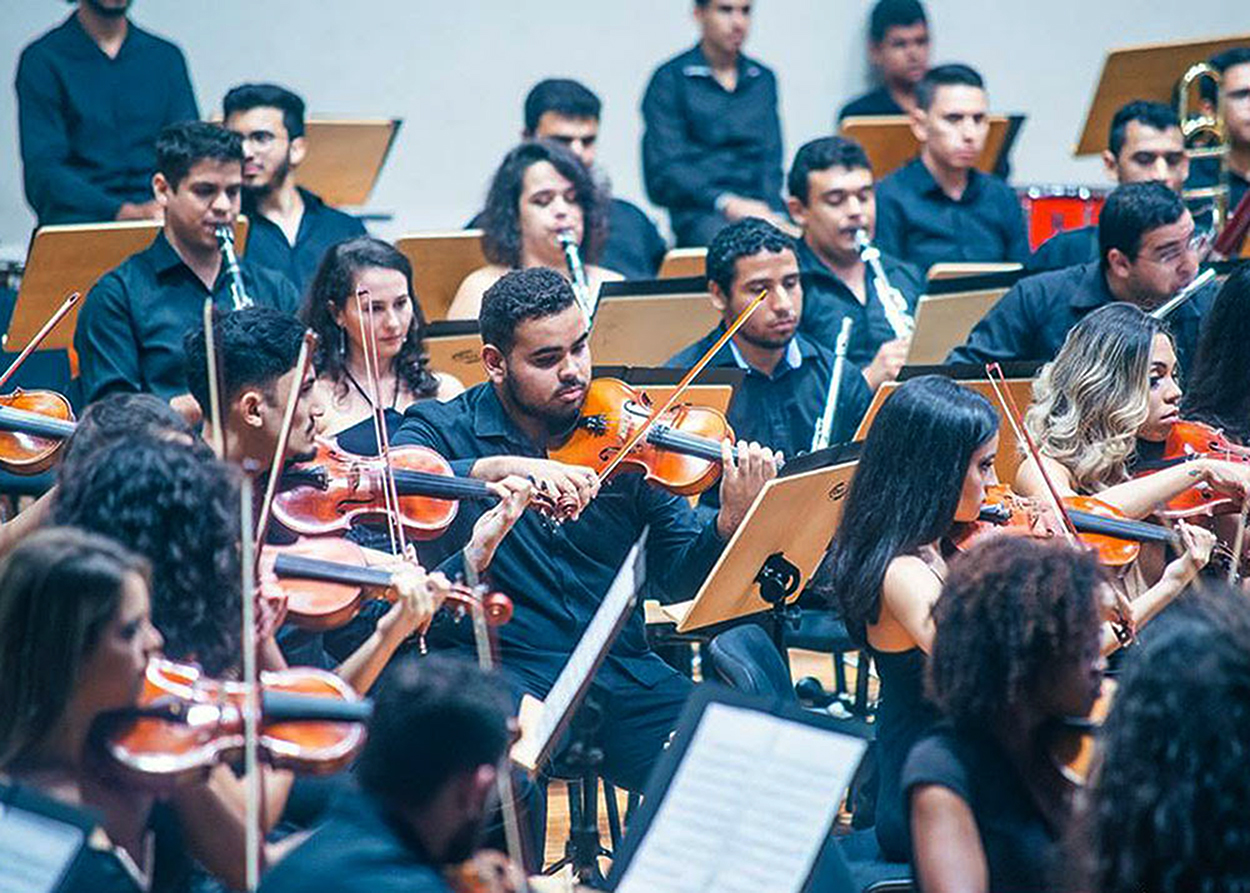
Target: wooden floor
{"points": [[802, 663]]}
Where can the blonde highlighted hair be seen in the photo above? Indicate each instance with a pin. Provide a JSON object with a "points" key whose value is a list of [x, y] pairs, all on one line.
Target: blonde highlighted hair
{"points": [[1090, 401]]}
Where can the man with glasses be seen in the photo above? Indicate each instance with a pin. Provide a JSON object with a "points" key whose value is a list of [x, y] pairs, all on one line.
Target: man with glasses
{"points": [[290, 227], [1147, 253]]}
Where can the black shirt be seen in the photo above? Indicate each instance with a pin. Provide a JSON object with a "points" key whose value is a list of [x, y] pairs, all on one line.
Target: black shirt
{"points": [[780, 411], [921, 224], [1018, 843], [1032, 320], [320, 227], [827, 299], [702, 140], [557, 575], [88, 123], [360, 849], [634, 248], [130, 330], [874, 102], [1065, 249]]}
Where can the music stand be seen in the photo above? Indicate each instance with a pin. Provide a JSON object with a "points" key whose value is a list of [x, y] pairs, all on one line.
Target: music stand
{"points": [[455, 347], [72, 257], [345, 158], [440, 262], [944, 270], [889, 143], [1147, 71], [682, 263], [645, 322], [41, 840], [972, 377], [771, 555], [943, 322]]}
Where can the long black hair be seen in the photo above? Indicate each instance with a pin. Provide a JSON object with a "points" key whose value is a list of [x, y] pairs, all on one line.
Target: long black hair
{"points": [[501, 219], [1168, 807], [905, 490], [1218, 391], [334, 284]]}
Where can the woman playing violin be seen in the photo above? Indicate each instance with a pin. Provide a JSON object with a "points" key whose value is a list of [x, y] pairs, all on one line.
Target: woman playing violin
{"points": [[393, 321], [76, 634], [1016, 651], [1218, 389], [1109, 396], [927, 461]]}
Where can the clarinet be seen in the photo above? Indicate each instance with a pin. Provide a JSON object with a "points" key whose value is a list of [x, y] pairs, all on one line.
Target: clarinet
{"points": [[892, 300], [225, 241], [577, 273], [824, 425]]}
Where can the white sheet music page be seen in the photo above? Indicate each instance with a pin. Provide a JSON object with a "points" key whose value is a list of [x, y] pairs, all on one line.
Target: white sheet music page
{"points": [[747, 809]]}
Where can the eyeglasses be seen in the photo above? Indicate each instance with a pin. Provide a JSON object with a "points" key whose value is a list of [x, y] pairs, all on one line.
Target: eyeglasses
{"points": [[1198, 243]]}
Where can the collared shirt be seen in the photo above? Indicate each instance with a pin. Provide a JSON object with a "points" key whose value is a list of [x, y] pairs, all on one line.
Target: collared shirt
{"points": [[780, 410], [555, 575], [702, 140], [1065, 249], [361, 848], [874, 102], [320, 226], [88, 123], [130, 330], [827, 300], [1032, 320], [634, 248], [921, 224]]}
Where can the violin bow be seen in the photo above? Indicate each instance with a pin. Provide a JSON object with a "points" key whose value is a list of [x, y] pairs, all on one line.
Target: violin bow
{"points": [[645, 427], [284, 436], [254, 790], [218, 442], [43, 332]]}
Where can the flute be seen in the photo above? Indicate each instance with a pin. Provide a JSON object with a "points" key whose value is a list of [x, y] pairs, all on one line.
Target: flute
{"points": [[577, 273], [824, 425]]}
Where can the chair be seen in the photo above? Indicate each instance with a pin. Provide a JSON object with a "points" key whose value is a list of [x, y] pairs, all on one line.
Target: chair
{"points": [[870, 872], [746, 659]]}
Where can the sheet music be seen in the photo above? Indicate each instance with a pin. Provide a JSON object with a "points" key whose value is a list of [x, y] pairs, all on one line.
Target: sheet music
{"points": [[34, 850], [586, 656], [748, 808]]}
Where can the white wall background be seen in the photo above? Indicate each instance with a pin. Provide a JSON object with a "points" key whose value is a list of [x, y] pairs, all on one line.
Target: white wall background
{"points": [[457, 72]]}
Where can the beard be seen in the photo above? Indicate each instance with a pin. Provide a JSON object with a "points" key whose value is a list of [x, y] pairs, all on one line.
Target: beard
{"points": [[764, 343], [556, 420], [276, 179], [111, 12], [465, 842]]}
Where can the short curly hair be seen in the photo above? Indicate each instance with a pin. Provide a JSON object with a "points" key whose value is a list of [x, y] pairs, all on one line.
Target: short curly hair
{"points": [[743, 238], [501, 219], [1167, 812], [518, 296], [178, 508], [1009, 607]]}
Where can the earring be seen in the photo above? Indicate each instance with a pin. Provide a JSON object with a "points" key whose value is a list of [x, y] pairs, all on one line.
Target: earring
{"points": [[342, 343]]}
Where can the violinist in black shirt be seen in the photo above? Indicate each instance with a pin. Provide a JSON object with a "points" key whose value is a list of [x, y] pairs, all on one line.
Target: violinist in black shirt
{"points": [[291, 228], [130, 329], [92, 96], [538, 360], [898, 45]]}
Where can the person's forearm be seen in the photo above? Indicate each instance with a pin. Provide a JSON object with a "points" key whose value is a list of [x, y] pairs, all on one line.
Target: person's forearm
{"points": [[26, 522], [364, 665], [1141, 496]]}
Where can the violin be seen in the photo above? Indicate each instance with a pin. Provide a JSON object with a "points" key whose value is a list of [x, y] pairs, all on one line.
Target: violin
{"points": [[1195, 440], [1116, 539], [185, 724], [33, 428], [681, 451], [324, 582], [330, 492], [488, 871]]}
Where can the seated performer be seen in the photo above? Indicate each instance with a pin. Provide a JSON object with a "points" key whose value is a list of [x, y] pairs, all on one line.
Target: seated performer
{"points": [[898, 45], [536, 354], [1166, 809], [939, 207], [291, 228], [787, 376], [76, 635], [398, 329], [1107, 402], [540, 190], [1146, 255], [711, 147], [1215, 388], [130, 329], [831, 198], [1232, 102], [438, 737], [566, 112], [930, 456], [1015, 652], [1145, 143], [92, 95]]}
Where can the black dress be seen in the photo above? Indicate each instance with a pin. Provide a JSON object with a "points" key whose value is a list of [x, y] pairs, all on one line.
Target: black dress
{"points": [[1018, 842]]}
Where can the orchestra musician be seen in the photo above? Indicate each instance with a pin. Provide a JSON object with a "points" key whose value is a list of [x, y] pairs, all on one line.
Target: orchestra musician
{"points": [[1231, 101], [536, 353], [1217, 389], [898, 45], [131, 326], [540, 190], [832, 197]]}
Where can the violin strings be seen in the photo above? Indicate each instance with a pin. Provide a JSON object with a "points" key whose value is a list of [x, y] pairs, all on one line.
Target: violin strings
{"points": [[372, 379]]}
